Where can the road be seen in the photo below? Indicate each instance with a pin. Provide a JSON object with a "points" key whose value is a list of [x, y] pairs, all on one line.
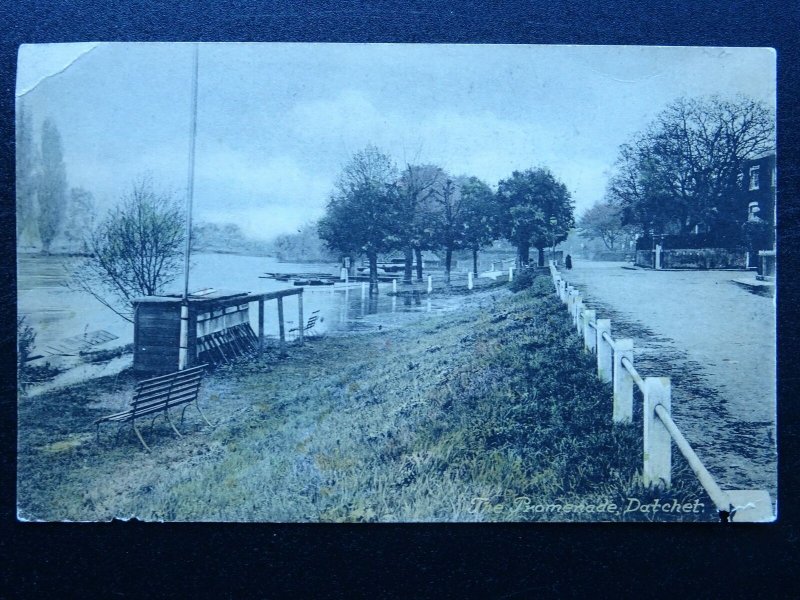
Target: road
{"points": [[717, 342]]}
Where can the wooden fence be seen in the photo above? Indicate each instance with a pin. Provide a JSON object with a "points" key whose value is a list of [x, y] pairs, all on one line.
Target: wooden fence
{"points": [[615, 365]]}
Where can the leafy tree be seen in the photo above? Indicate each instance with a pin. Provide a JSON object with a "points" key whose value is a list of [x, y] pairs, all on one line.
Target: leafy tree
{"points": [[135, 251], [528, 200], [27, 173], [480, 217], [681, 171], [604, 221], [52, 185], [365, 211]]}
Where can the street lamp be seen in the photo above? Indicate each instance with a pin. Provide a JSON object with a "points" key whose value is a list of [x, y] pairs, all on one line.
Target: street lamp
{"points": [[553, 223]]}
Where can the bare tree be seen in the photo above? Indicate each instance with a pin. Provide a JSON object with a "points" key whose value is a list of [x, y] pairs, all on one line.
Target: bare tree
{"points": [[604, 220], [418, 185], [681, 171], [135, 251], [81, 219]]}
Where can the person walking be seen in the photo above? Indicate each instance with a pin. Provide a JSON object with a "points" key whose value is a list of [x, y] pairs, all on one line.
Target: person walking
{"points": [[568, 262]]}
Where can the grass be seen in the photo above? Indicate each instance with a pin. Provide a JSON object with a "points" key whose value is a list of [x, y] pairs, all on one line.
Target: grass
{"points": [[491, 413]]}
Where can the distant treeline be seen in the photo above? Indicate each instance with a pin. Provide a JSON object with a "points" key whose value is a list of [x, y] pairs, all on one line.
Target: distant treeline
{"points": [[302, 246]]}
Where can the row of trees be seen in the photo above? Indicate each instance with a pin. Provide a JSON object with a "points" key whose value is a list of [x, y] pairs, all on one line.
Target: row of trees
{"points": [[43, 196], [376, 208]]}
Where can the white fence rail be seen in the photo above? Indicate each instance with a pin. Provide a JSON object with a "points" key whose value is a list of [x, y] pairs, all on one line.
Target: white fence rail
{"points": [[615, 365]]}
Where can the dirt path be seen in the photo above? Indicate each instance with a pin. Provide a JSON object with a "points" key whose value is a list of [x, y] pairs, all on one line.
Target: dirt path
{"points": [[717, 342]]}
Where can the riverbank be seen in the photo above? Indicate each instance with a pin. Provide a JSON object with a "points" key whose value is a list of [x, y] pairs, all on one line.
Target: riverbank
{"points": [[488, 413]]}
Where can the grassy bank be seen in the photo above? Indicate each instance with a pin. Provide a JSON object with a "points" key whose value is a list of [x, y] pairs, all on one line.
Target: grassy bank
{"points": [[488, 413]]}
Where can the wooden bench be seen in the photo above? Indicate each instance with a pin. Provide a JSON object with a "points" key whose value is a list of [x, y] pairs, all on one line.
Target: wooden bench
{"points": [[312, 321], [152, 397]]}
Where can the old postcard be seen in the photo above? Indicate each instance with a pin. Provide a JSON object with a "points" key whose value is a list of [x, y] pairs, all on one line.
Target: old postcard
{"points": [[396, 282]]}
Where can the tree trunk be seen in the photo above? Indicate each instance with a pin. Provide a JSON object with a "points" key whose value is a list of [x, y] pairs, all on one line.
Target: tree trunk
{"points": [[352, 270], [448, 259], [408, 269], [373, 272], [475, 262], [418, 253], [541, 255], [523, 254]]}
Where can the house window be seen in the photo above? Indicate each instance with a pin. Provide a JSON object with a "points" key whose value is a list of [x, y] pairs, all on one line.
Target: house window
{"points": [[754, 177]]}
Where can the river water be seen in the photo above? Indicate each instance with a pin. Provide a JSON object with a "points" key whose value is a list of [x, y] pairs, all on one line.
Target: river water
{"points": [[57, 312]]}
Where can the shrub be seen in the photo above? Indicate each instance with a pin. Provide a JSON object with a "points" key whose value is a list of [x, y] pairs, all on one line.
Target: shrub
{"points": [[523, 279], [26, 338]]}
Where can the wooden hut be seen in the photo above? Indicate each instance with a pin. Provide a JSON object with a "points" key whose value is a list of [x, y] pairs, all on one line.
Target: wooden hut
{"points": [[219, 328]]}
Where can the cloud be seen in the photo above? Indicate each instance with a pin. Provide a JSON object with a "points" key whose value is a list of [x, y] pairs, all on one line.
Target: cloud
{"points": [[247, 180]]}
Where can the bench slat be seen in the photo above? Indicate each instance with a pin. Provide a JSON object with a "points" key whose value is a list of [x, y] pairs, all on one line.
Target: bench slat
{"points": [[168, 382], [166, 388], [177, 400], [191, 370]]}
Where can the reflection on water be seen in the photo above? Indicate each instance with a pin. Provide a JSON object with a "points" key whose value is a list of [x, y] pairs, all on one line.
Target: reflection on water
{"points": [[57, 312]]}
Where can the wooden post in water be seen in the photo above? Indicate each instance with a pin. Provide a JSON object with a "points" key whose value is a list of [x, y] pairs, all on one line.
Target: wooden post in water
{"points": [[394, 285], [589, 337], [623, 382], [469, 280], [281, 327], [605, 353], [430, 284], [657, 440], [301, 327], [261, 325]]}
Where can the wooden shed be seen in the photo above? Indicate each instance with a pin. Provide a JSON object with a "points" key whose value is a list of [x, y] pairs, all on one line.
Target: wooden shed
{"points": [[219, 328]]}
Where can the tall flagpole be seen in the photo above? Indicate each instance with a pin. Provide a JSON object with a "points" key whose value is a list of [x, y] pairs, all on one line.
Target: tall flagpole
{"points": [[183, 351]]}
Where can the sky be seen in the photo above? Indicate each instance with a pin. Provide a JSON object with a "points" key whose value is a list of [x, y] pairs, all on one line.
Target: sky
{"points": [[277, 122]]}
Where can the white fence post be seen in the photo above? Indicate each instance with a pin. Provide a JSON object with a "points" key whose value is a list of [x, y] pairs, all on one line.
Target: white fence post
{"points": [[657, 440], [510, 274], [658, 256], [394, 285], [589, 338], [578, 309], [363, 288], [430, 284], [469, 280], [605, 354], [623, 382]]}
